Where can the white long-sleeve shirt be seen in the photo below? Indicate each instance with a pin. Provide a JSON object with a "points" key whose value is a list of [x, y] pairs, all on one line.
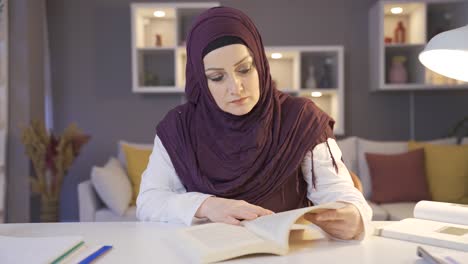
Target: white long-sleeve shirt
{"points": [[163, 198]]}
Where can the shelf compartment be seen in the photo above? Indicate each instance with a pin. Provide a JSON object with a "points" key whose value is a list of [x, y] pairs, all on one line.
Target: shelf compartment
{"points": [[416, 71], [323, 66], [445, 16], [154, 31], [181, 57], [284, 70], [156, 68], [413, 17], [329, 103], [185, 18]]}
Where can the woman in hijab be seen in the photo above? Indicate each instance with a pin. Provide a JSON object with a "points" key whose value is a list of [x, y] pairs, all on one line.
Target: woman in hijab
{"points": [[239, 148]]}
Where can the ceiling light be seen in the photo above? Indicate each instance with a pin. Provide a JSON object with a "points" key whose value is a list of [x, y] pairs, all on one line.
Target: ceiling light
{"points": [[276, 56], [396, 10], [159, 13]]}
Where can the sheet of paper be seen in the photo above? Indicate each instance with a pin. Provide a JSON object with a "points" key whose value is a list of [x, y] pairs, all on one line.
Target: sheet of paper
{"points": [[35, 249]]}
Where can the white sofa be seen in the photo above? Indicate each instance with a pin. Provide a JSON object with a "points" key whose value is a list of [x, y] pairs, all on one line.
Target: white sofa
{"points": [[91, 208]]}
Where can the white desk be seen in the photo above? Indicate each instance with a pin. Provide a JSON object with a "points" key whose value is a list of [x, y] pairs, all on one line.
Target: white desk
{"points": [[138, 242]]}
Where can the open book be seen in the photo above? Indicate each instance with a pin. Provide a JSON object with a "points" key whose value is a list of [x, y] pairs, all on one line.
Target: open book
{"points": [[267, 234], [434, 223]]}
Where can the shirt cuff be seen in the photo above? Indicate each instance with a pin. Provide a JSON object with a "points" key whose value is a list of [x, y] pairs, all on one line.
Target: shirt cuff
{"points": [[366, 222], [189, 213]]}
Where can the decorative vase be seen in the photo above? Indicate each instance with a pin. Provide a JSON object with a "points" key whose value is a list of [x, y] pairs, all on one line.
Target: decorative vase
{"points": [[158, 40], [399, 33], [325, 80], [398, 72], [49, 209], [311, 82]]}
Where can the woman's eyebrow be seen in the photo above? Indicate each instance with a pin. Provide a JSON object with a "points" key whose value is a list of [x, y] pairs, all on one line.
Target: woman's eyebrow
{"points": [[237, 63]]}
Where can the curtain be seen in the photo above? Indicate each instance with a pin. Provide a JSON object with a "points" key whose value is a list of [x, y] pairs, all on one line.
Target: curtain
{"points": [[3, 102]]}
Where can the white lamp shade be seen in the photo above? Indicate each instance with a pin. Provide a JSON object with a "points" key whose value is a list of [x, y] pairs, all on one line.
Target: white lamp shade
{"points": [[447, 54]]}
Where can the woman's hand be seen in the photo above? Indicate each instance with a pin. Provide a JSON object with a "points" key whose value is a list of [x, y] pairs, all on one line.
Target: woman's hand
{"points": [[229, 211], [344, 223]]}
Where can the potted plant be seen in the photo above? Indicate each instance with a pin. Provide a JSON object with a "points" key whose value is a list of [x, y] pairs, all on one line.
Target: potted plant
{"points": [[51, 157]]}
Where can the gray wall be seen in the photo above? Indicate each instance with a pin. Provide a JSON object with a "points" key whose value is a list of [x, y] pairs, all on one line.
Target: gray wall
{"points": [[91, 67]]}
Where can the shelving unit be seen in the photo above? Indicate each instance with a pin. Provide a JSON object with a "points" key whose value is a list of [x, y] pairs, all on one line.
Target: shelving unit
{"points": [[159, 58], [292, 71], [421, 19], [158, 34]]}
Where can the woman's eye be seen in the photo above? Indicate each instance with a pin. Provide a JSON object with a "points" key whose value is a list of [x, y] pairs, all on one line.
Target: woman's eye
{"points": [[245, 70], [216, 78]]}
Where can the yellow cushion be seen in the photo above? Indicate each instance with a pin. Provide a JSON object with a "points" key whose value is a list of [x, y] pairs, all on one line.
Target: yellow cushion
{"points": [[137, 160], [446, 170]]}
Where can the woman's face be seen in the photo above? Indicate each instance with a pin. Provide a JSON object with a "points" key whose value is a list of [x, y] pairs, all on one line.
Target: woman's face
{"points": [[232, 78]]}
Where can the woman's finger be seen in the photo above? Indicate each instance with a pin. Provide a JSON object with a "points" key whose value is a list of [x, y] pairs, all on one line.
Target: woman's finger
{"points": [[333, 225], [329, 215], [231, 220], [243, 214], [260, 211]]}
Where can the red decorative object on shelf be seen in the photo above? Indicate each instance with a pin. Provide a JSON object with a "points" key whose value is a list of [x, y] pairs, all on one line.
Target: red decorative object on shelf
{"points": [[400, 32], [387, 40], [158, 41]]}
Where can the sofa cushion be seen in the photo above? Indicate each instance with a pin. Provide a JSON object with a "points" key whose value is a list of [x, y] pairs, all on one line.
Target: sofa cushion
{"points": [[137, 161], [447, 171], [349, 153], [121, 153], [112, 186], [399, 211], [106, 215], [378, 213], [383, 147], [443, 141], [377, 147], [398, 177], [464, 141]]}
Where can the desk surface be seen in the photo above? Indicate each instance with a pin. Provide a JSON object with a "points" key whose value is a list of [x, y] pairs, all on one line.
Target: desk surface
{"points": [[141, 242]]}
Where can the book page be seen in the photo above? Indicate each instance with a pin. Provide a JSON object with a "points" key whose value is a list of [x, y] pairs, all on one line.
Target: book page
{"points": [[442, 212], [35, 249], [217, 241], [218, 235], [276, 227]]}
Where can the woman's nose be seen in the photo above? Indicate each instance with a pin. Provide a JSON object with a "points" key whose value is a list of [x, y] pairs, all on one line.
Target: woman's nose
{"points": [[235, 85]]}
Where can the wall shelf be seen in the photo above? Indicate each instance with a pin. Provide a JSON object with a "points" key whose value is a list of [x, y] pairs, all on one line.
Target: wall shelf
{"points": [[422, 19]]}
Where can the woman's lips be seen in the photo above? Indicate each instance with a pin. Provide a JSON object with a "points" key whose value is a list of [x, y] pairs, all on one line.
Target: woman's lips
{"points": [[239, 101]]}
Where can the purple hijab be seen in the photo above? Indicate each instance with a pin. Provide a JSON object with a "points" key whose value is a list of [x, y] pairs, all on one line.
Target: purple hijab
{"points": [[245, 157]]}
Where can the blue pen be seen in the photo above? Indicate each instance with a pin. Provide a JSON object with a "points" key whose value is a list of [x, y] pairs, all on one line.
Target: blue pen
{"points": [[96, 254]]}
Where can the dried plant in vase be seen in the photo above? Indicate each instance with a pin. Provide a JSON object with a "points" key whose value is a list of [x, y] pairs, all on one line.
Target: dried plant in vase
{"points": [[51, 158]]}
